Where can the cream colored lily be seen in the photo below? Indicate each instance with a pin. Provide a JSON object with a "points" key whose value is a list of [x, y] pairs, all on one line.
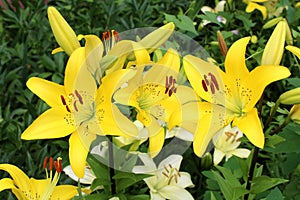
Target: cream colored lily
{"points": [[237, 89], [254, 4], [167, 181], [25, 188], [155, 95], [79, 109], [226, 142]]}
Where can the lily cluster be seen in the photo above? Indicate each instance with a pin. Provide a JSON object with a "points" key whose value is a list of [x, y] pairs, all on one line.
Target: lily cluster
{"points": [[104, 75]]}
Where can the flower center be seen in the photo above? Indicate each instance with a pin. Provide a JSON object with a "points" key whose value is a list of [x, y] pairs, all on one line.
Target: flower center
{"points": [[51, 180], [110, 38], [171, 173]]}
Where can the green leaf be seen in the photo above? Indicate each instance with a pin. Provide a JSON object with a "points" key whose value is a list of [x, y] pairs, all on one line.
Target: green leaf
{"points": [[272, 141], [126, 179], [183, 22], [275, 194], [100, 170], [263, 183], [138, 197], [292, 190]]}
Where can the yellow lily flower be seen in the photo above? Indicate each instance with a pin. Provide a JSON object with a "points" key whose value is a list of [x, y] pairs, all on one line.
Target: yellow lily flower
{"points": [[63, 33], [25, 188], [237, 89], [155, 95], [79, 108], [294, 50], [253, 4]]}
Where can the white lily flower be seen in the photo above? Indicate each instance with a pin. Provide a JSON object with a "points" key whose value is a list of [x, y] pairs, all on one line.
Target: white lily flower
{"points": [[87, 178], [180, 133], [167, 182], [219, 8], [226, 142]]}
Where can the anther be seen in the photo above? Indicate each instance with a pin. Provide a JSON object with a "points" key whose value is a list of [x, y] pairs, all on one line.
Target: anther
{"points": [[50, 163], [165, 174], [79, 97], [45, 162], [63, 100], [166, 168]]}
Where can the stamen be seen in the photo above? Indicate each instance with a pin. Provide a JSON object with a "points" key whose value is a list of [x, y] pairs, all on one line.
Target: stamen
{"points": [[79, 97], [165, 174], [176, 178], [214, 80], [229, 135], [170, 85], [58, 165], [170, 166], [45, 162], [170, 179], [50, 163], [204, 86], [68, 109], [75, 106], [63, 100], [166, 169]]}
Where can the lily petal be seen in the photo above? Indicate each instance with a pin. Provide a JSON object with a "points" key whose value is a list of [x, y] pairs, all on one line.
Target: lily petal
{"points": [[218, 156], [77, 154], [241, 153], [20, 179], [48, 91], [250, 125], [175, 160], [156, 142], [64, 192], [235, 65], [175, 193], [185, 180], [294, 50], [53, 123], [75, 63], [253, 87], [252, 6], [6, 183]]}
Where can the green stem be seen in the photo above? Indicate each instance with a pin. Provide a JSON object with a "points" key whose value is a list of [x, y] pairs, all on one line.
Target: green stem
{"points": [[111, 165], [251, 170], [273, 111], [279, 128]]}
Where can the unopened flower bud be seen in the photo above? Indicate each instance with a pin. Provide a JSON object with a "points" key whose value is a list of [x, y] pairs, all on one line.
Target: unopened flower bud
{"points": [[295, 113], [222, 44], [63, 33], [274, 49], [272, 22], [290, 97]]}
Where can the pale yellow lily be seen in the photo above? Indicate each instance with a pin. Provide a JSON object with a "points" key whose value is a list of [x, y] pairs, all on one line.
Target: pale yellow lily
{"points": [[155, 95], [79, 108], [237, 89], [25, 188], [254, 4]]}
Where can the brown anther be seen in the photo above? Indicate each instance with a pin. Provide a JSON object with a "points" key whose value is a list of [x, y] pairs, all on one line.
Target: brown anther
{"points": [[63, 100], [116, 35], [229, 135], [58, 165], [214, 80], [166, 169], [204, 86], [68, 109], [75, 106], [178, 173], [79, 97], [176, 178], [165, 174], [170, 166]]}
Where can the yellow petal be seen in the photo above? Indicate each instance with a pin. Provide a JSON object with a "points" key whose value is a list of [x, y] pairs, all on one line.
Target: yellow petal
{"points": [[20, 179], [252, 6], [235, 65], [63, 33], [157, 37], [56, 50], [294, 50], [6, 183], [94, 51], [167, 66], [64, 192], [53, 123], [77, 154], [250, 125], [200, 75], [156, 142], [274, 49], [48, 91], [253, 86], [75, 63], [113, 81]]}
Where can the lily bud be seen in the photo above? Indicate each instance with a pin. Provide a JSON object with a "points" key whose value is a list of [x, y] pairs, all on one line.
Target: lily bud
{"points": [[290, 97], [206, 161], [63, 33], [272, 22], [288, 37], [222, 44], [156, 38], [274, 49], [295, 113]]}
